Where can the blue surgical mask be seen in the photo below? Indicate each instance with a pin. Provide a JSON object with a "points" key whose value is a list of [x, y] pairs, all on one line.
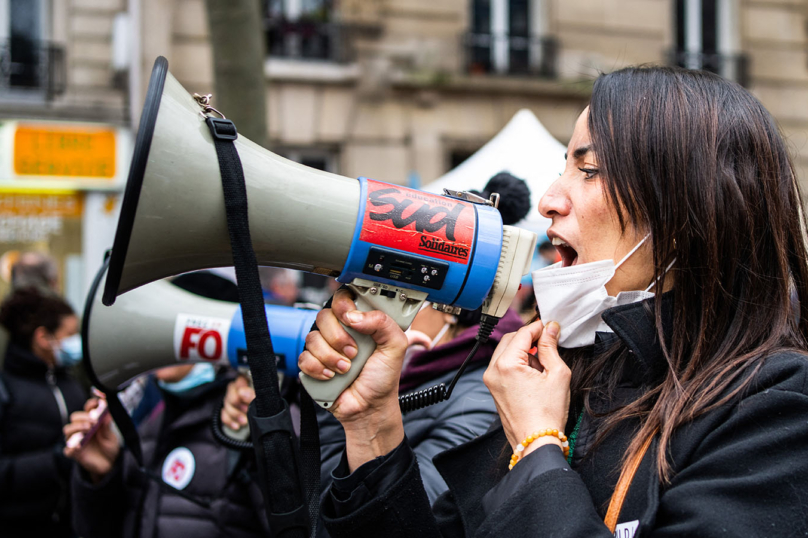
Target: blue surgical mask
{"points": [[67, 351], [200, 374]]}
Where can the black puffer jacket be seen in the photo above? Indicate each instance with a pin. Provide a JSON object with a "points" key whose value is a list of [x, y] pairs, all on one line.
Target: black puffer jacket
{"points": [[431, 430], [34, 492], [221, 497], [739, 470]]}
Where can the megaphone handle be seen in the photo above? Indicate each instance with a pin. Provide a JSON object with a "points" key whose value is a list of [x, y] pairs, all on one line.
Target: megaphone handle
{"points": [[325, 392], [400, 304]]}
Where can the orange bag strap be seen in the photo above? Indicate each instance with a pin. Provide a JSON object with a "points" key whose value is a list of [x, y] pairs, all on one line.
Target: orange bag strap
{"points": [[623, 483]]}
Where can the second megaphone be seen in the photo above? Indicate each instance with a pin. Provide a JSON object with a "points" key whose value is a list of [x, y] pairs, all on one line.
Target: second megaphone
{"points": [[395, 247], [160, 324]]}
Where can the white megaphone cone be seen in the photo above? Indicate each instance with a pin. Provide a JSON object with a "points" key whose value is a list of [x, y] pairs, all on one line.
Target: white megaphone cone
{"points": [[160, 324]]}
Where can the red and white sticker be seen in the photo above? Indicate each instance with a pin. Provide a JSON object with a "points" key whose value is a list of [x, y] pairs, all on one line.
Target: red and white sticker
{"points": [[200, 338], [418, 222], [179, 467]]}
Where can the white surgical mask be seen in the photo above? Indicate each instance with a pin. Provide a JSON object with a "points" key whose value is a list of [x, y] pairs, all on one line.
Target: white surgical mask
{"points": [[201, 373], [576, 296], [67, 351]]}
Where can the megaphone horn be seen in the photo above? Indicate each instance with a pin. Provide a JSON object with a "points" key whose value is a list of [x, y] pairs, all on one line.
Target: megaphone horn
{"points": [[173, 217], [395, 247], [160, 324]]}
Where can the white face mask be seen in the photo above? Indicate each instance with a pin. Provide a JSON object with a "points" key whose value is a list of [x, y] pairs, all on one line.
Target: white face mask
{"points": [[576, 296]]}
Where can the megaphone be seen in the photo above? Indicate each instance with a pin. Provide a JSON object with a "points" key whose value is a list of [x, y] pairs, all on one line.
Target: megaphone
{"points": [[160, 324], [395, 247]]}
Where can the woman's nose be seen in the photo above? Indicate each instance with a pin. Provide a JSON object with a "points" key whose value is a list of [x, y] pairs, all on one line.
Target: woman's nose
{"points": [[554, 202]]}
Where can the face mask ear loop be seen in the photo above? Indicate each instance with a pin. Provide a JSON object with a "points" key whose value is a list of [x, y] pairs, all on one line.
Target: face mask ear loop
{"points": [[668, 268], [440, 334], [632, 251]]}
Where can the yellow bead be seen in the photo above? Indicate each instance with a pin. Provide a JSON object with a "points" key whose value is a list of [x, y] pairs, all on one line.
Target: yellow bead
{"points": [[535, 435], [529, 439], [562, 437], [555, 432]]}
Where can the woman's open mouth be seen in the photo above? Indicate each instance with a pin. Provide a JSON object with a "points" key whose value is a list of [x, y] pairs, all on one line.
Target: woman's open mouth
{"points": [[568, 254]]}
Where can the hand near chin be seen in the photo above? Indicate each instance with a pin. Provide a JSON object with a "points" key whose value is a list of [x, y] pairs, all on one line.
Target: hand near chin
{"points": [[530, 395]]}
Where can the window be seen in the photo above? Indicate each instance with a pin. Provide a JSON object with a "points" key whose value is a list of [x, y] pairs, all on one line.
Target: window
{"points": [[300, 29], [707, 37], [27, 63], [509, 37]]}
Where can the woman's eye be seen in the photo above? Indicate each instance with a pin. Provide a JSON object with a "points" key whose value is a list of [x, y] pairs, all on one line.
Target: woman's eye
{"points": [[590, 172]]}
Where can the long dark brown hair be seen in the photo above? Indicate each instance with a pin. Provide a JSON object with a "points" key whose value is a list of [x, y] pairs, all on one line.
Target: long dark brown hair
{"points": [[699, 163]]}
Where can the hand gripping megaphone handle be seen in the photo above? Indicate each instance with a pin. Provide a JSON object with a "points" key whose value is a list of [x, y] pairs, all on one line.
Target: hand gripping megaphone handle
{"points": [[400, 304]]}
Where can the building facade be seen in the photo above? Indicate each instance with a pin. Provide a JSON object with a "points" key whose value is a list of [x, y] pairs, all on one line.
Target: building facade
{"points": [[397, 90]]}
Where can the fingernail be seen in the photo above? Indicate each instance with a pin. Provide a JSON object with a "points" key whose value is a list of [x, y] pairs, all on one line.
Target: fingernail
{"points": [[552, 329], [242, 419], [343, 366], [328, 373], [349, 351], [234, 426], [354, 316]]}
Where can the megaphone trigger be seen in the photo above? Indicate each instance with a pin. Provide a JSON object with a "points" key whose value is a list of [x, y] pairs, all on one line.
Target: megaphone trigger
{"points": [[399, 303]]}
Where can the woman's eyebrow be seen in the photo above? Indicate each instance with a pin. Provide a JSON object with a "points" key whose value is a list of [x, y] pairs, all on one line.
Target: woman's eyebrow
{"points": [[579, 152]]}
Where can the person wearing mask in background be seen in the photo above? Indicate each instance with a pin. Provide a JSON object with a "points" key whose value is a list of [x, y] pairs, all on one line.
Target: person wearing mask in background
{"points": [[192, 485], [36, 398], [439, 343]]}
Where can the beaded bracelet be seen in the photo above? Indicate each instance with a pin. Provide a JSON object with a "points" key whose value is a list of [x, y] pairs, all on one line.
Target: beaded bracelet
{"points": [[565, 446]]}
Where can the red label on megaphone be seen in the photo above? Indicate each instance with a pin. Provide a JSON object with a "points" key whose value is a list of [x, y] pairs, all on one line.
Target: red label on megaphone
{"points": [[200, 338], [418, 222]]}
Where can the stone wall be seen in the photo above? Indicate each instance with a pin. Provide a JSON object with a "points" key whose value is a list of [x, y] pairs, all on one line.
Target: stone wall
{"points": [[404, 103]]}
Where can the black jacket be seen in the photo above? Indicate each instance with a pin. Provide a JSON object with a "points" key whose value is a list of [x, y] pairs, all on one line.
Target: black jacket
{"points": [[430, 431], [34, 492], [739, 470], [127, 503]]}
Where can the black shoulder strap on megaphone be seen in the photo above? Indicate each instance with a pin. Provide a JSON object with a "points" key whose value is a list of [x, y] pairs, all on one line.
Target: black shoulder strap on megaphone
{"points": [[276, 448]]}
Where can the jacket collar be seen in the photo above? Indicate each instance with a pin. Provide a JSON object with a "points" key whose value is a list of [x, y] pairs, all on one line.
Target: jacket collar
{"points": [[635, 325]]}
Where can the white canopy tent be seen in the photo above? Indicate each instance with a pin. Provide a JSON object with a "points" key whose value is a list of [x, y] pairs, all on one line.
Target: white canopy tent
{"points": [[525, 149]]}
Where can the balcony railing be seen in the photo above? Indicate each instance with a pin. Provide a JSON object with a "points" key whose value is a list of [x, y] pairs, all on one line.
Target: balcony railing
{"points": [[503, 54], [28, 66], [730, 66], [306, 40]]}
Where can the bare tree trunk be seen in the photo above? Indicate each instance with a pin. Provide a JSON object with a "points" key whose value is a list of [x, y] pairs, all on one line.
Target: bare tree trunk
{"points": [[237, 39]]}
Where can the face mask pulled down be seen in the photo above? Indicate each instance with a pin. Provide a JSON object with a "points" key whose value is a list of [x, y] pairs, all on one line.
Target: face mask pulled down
{"points": [[576, 296]]}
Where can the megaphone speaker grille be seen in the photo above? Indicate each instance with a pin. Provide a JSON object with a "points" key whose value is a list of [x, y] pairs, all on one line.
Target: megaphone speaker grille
{"points": [[135, 181]]}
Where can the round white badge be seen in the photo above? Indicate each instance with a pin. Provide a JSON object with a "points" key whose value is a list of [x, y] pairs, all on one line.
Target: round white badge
{"points": [[179, 467]]}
